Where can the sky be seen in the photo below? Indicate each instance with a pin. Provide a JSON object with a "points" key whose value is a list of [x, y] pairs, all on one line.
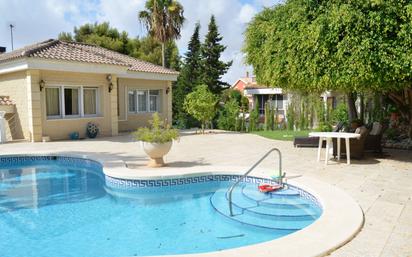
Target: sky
{"points": [[39, 20]]}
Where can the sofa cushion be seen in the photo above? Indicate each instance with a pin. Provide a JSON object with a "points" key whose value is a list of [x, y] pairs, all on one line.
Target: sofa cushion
{"points": [[376, 129]]}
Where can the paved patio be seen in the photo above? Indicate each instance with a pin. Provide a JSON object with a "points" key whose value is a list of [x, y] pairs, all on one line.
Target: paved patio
{"points": [[382, 186]]}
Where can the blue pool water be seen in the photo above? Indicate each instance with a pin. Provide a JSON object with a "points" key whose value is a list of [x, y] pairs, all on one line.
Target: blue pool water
{"points": [[65, 207]]}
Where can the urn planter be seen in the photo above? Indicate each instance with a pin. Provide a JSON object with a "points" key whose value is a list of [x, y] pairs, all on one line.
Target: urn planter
{"points": [[156, 151]]}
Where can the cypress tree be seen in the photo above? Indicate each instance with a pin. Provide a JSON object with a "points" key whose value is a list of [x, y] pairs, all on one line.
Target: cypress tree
{"points": [[212, 67], [188, 79]]}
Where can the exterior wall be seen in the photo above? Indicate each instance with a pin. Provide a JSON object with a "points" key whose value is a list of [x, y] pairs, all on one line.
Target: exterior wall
{"points": [[131, 121], [106, 120], [15, 86], [34, 105], [239, 85]]}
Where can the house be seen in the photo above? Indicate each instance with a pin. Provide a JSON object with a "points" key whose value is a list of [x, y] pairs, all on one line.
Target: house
{"points": [[262, 94], [57, 87]]}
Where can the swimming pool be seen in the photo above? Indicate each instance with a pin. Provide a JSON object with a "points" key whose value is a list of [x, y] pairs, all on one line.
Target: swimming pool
{"points": [[61, 206]]}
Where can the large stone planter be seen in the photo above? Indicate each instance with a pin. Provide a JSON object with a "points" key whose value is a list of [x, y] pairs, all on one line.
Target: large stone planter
{"points": [[156, 152]]}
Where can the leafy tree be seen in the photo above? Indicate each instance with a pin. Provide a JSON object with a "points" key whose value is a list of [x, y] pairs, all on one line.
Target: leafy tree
{"points": [[164, 20], [290, 116], [340, 114], [150, 50], [201, 104], [146, 48], [65, 36], [213, 68], [352, 46], [229, 116], [254, 117], [188, 79]]}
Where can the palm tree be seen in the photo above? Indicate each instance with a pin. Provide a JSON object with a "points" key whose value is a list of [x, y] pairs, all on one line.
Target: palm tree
{"points": [[163, 19]]}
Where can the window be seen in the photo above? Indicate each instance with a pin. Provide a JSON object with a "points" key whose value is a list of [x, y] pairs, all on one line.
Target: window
{"points": [[279, 102], [132, 101], [153, 100], [53, 101], [90, 101], [144, 101], [71, 101], [64, 102]]}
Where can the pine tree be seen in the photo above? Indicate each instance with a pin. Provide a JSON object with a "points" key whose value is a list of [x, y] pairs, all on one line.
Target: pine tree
{"points": [[212, 67], [189, 78]]}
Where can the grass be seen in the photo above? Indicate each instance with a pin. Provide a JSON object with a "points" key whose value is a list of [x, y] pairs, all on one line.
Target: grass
{"points": [[285, 135]]}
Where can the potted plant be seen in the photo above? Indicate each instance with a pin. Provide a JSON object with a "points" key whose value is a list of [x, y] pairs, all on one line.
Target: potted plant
{"points": [[156, 140]]}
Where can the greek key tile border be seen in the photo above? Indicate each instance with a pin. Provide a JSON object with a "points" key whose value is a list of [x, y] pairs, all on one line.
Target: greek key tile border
{"points": [[70, 161], [130, 183]]}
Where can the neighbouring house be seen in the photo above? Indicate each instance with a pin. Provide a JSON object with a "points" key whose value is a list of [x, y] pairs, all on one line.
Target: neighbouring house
{"points": [[54, 88], [262, 94]]}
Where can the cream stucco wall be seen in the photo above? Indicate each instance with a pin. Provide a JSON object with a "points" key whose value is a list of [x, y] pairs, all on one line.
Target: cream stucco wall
{"points": [[107, 118], [32, 123], [15, 86], [131, 121]]}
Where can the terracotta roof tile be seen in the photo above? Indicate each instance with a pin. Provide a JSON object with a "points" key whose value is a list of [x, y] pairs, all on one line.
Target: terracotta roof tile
{"points": [[5, 100], [80, 52], [252, 84]]}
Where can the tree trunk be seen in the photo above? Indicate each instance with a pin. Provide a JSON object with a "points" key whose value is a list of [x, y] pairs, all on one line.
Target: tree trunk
{"points": [[409, 97], [163, 54], [353, 113], [403, 100], [362, 108]]}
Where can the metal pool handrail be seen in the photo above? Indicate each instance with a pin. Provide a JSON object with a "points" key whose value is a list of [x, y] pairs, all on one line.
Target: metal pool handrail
{"points": [[279, 178]]}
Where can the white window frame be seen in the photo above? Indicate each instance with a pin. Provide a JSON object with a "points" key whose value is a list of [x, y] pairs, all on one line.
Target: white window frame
{"points": [[81, 114], [60, 103], [137, 100], [79, 102], [157, 101], [158, 105], [96, 89]]}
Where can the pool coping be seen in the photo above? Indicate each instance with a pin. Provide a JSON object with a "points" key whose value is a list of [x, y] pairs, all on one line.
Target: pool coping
{"points": [[340, 221]]}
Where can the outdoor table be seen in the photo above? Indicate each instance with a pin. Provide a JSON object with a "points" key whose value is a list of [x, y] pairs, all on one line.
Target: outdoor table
{"points": [[328, 137]]}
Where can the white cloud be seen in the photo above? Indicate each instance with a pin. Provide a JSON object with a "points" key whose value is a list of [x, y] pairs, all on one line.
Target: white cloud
{"points": [[39, 20], [246, 13], [122, 16]]}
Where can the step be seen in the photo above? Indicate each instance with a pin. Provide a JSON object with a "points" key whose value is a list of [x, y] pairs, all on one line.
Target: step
{"points": [[298, 213], [287, 222], [252, 192], [238, 198]]}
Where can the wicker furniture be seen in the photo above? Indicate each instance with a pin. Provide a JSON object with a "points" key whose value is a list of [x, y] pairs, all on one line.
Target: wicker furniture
{"points": [[373, 142], [313, 141], [357, 145]]}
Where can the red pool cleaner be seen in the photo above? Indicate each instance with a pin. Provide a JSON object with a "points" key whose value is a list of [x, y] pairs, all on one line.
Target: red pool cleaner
{"points": [[266, 188]]}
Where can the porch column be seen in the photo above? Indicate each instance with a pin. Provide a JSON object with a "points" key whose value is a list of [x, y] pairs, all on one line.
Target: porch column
{"points": [[169, 103], [114, 108], [34, 105]]}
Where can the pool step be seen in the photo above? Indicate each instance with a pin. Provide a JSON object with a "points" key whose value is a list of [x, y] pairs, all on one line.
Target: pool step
{"points": [[286, 211]]}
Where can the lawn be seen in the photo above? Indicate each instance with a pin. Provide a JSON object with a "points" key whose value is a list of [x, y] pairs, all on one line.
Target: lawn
{"points": [[285, 135]]}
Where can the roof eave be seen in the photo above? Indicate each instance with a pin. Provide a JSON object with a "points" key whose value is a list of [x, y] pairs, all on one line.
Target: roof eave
{"points": [[149, 75]]}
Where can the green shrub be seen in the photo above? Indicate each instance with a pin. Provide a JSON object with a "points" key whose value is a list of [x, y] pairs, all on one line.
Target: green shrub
{"points": [[159, 132], [229, 116], [201, 104], [290, 116], [254, 117], [340, 114]]}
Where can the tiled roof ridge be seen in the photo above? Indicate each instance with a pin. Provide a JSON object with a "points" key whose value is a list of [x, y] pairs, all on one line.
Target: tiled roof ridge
{"points": [[75, 45], [83, 52], [42, 46], [116, 53]]}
